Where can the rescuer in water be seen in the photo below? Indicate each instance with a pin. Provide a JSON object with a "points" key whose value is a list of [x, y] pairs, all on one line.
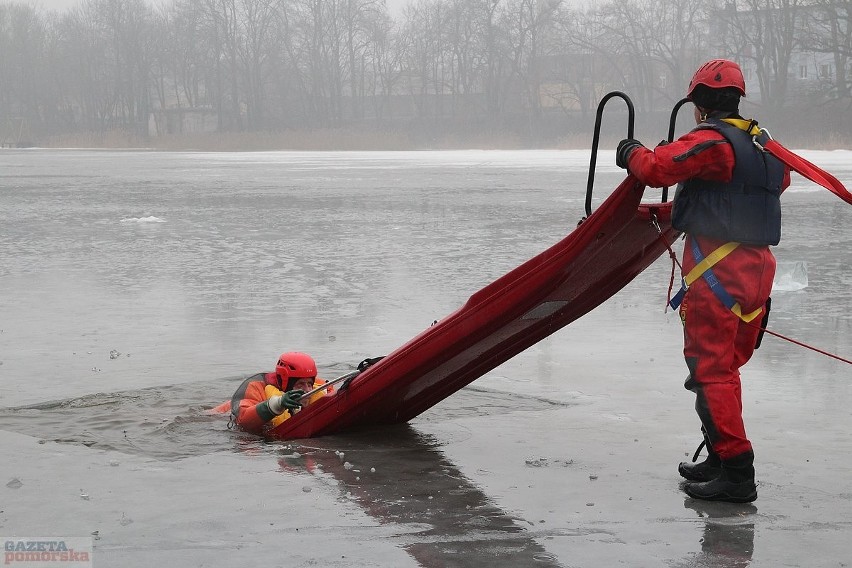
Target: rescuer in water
{"points": [[728, 205], [265, 400]]}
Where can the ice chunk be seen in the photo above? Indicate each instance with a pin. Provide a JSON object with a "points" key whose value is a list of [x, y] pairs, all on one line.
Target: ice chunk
{"points": [[790, 276]]}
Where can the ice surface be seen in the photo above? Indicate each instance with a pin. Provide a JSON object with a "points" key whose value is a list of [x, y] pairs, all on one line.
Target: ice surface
{"points": [[347, 256]]}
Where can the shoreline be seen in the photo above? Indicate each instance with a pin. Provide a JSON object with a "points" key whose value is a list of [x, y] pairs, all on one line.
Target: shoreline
{"points": [[348, 141]]}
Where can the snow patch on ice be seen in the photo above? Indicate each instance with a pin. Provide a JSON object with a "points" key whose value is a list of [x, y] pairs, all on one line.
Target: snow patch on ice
{"points": [[150, 219]]}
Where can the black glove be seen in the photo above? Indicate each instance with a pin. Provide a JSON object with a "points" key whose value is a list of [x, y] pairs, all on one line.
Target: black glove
{"points": [[291, 399], [625, 148], [287, 401]]}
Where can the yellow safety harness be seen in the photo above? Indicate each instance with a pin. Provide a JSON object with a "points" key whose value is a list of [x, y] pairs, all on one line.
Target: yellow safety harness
{"points": [[704, 264], [703, 268]]}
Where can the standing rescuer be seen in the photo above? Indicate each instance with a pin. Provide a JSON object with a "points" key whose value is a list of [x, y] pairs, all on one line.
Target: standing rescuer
{"points": [[728, 205]]}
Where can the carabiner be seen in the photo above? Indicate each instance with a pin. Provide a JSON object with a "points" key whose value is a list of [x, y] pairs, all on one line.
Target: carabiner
{"points": [[758, 144]]}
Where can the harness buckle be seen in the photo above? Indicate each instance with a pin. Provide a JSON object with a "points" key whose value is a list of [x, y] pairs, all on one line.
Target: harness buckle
{"points": [[655, 223]]}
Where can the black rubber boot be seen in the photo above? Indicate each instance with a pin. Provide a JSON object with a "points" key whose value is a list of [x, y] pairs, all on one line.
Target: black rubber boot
{"points": [[709, 469], [734, 485]]}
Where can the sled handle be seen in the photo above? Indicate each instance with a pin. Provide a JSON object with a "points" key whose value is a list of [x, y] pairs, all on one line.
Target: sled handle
{"points": [[672, 124], [322, 387], [597, 136]]}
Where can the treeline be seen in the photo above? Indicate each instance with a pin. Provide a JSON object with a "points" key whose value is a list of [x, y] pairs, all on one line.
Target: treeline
{"points": [[532, 67]]}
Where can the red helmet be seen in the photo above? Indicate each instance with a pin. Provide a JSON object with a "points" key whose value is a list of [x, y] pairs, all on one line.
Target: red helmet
{"points": [[295, 365], [717, 74]]}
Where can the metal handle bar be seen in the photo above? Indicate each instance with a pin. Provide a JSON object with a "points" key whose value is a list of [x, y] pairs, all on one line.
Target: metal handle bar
{"points": [[596, 139], [672, 123]]}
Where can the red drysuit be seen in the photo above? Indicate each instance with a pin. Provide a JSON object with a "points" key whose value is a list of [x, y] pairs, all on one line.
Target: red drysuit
{"points": [[716, 341]]}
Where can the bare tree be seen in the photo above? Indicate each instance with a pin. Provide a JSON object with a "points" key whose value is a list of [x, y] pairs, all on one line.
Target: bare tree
{"points": [[828, 29], [254, 28], [23, 41], [632, 30], [316, 49], [182, 56], [460, 37], [361, 19], [765, 32], [492, 57], [576, 69], [386, 63], [88, 67], [527, 23], [423, 54]]}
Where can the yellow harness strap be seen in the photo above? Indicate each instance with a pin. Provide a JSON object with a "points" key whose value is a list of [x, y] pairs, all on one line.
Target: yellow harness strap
{"points": [[706, 264], [709, 261], [750, 126], [746, 317]]}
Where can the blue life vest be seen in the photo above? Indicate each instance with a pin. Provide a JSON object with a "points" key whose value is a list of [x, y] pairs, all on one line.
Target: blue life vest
{"points": [[747, 209]]}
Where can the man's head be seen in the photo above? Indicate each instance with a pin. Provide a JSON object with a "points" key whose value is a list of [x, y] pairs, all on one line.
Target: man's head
{"points": [[295, 371], [717, 85]]}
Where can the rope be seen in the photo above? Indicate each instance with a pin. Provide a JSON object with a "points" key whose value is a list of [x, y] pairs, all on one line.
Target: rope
{"points": [[675, 262], [672, 255], [800, 344]]}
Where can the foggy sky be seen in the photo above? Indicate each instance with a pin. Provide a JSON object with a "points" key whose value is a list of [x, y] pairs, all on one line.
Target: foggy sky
{"points": [[395, 6]]}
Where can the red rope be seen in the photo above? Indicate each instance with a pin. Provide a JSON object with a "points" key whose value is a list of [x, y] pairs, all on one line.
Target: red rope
{"points": [[800, 344], [675, 263], [671, 278]]}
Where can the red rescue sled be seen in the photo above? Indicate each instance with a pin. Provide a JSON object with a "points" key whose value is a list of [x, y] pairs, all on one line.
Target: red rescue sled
{"points": [[606, 251], [602, 255]]}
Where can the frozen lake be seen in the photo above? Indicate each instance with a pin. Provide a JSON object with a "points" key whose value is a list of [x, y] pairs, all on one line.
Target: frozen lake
{"points": [[137, 288]]}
